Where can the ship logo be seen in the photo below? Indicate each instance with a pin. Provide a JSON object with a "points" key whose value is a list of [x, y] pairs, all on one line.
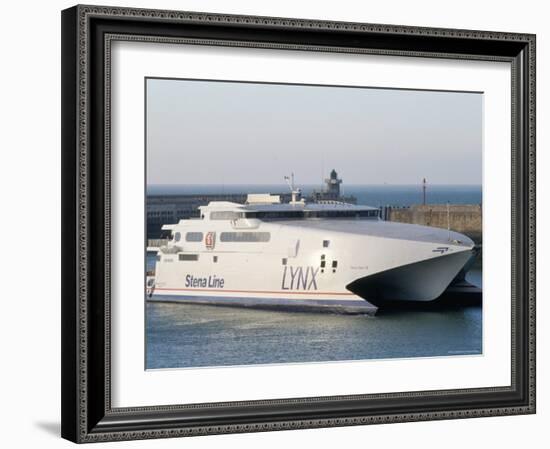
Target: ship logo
{"points": [[210, 240]]}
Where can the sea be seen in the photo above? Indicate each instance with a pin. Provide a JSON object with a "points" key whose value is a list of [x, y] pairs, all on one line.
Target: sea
{"points": [[196, 336], [370, 195]]}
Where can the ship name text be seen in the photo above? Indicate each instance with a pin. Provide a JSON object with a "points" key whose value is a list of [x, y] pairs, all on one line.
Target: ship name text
{"points": [[299, 278]]}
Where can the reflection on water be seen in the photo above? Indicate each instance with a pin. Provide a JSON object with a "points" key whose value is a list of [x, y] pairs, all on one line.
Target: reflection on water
{"points": [[185, 335]]}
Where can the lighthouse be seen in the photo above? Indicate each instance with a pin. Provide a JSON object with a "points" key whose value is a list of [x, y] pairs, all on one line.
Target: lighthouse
{"points": [[331, 191], [333, 185]]}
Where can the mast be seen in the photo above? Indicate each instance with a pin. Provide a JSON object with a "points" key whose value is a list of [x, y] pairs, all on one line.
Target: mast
{"points": [[448, 221], [424, 192], [293, 190]]}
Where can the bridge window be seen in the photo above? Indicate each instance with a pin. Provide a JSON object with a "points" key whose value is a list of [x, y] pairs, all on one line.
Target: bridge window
{"points": [[275, 215], [189, 257], [225, 215], [193, 237], [305, 214], [215, 259], [177, 236], [245, 237], [326, 243], [284, 261]]}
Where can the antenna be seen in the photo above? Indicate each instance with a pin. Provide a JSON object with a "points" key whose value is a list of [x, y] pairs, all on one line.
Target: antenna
{"points": [[448, 221], [289, 182], [293, 190]]}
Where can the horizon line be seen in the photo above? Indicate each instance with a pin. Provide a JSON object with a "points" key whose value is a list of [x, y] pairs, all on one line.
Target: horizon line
{"points": [[316, 184]]}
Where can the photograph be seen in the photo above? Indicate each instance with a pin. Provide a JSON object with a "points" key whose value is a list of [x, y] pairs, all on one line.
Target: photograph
{"points": [[290, 221], [301, 223]]}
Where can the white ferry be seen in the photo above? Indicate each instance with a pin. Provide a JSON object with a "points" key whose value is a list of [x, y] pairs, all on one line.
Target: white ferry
{"points": [[330, 256]]}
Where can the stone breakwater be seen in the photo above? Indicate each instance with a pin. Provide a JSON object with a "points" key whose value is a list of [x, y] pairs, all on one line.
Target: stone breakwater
{"points": [[463, 218]]}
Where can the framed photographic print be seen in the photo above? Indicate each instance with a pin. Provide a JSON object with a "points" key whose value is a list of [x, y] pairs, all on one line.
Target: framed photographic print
{"points": [[276, 223]]}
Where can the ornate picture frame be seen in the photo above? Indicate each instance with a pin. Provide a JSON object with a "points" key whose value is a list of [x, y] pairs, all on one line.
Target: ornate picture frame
{"points": [[87, 411]]}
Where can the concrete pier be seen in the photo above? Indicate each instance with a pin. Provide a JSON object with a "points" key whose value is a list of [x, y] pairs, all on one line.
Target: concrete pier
{"points": [[463, 218]]}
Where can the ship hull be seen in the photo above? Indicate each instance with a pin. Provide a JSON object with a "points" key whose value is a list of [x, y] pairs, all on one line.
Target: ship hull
{"points": [[422, 281], [356, 306]]}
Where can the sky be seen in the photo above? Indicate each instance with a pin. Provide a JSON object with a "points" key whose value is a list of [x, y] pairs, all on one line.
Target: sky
{"points": [[211, 132]]}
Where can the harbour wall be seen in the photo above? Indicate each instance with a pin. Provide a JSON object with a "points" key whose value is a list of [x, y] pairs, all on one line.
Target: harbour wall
{"points": [[463, 218]]}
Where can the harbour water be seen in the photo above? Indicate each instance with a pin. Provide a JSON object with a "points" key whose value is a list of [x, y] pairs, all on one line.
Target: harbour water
{"points": [[187, 336], [371, 195]]}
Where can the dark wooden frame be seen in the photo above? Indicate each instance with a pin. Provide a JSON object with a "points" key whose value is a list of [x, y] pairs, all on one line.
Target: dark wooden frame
{"points": [[87, 32]]}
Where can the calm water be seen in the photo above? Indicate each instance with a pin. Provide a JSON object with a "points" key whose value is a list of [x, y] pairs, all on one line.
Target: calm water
{"points": [[372, 195], [185, 335]]}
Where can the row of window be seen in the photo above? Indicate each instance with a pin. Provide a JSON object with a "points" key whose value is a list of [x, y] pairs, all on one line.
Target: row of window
{"points": [[189, 237], [301, 214], [193, 237], [227, 236], [293, 214], [273, 215], [226, 215], [187, 257], [194, 258], [245, 236]]}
